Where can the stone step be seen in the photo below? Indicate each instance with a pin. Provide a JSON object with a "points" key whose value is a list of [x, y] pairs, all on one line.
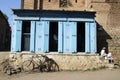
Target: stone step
{"points": [[109, 65]]}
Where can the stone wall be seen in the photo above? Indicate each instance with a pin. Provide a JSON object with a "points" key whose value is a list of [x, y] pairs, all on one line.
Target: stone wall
{"points": [[3, 57], [71, 5], [53, 5], [107, 18], [67, 61], [4, 33], [28, 4]]}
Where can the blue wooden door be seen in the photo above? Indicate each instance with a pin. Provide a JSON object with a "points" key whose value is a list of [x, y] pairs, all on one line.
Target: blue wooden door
{"points": [[13, 36], [74, 36], [87, 37], [60, 37], [39, 36], [42, 36], [46, 36], [93, 37], [16, 36], [69, 37], [32, 36], [90, 36]]}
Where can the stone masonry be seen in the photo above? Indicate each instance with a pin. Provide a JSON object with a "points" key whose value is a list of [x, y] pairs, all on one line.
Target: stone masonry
{"points": [[107, 17], [108, 26], [66, 61]]}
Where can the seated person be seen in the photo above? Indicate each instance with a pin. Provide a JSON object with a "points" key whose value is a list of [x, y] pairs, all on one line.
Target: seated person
{"points": [[110, 58], [103, 52]]}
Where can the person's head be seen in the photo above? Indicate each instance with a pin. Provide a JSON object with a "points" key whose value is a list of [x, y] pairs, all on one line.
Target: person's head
{"points": [[110, 53], [104, 48]]}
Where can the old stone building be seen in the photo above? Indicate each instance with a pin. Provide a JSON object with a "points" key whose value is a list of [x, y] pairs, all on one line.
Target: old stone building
{"points": [[73, 30], [106, 16], [4, 33]]}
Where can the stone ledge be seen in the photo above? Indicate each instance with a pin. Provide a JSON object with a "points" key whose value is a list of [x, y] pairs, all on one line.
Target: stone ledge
{"points": [[66, 61], [56, 53]]}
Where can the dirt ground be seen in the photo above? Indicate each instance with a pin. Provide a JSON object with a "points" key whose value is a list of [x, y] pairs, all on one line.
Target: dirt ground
{"points": [[107, 74]]}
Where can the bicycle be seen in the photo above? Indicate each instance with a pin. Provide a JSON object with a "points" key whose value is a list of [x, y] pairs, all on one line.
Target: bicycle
{"points": [[9, 68], [44, 65], [31, 64], [48, 65]]}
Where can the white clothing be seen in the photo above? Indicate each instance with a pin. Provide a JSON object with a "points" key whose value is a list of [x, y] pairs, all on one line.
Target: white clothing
{"points": [[103, 53], [109, 56]]}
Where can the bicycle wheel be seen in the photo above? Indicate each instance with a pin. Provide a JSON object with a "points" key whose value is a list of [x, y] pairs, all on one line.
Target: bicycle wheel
{"points": [[4, 69], [47, 69], [28, 66], [54, 67], [9, 71], [44, 67]]}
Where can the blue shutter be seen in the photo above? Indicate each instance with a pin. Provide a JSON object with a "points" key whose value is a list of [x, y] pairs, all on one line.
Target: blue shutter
{"points": [[60, 37], [46, 36], [39, 37], [93, 37], [18, 36], [67, 37], [13, 36], [87, 37], [74, 36], [32, 36]]}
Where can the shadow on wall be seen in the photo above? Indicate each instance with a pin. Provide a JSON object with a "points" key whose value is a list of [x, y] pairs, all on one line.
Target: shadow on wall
{"points": [[114, 23], [5, 34], [102, 37]]}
